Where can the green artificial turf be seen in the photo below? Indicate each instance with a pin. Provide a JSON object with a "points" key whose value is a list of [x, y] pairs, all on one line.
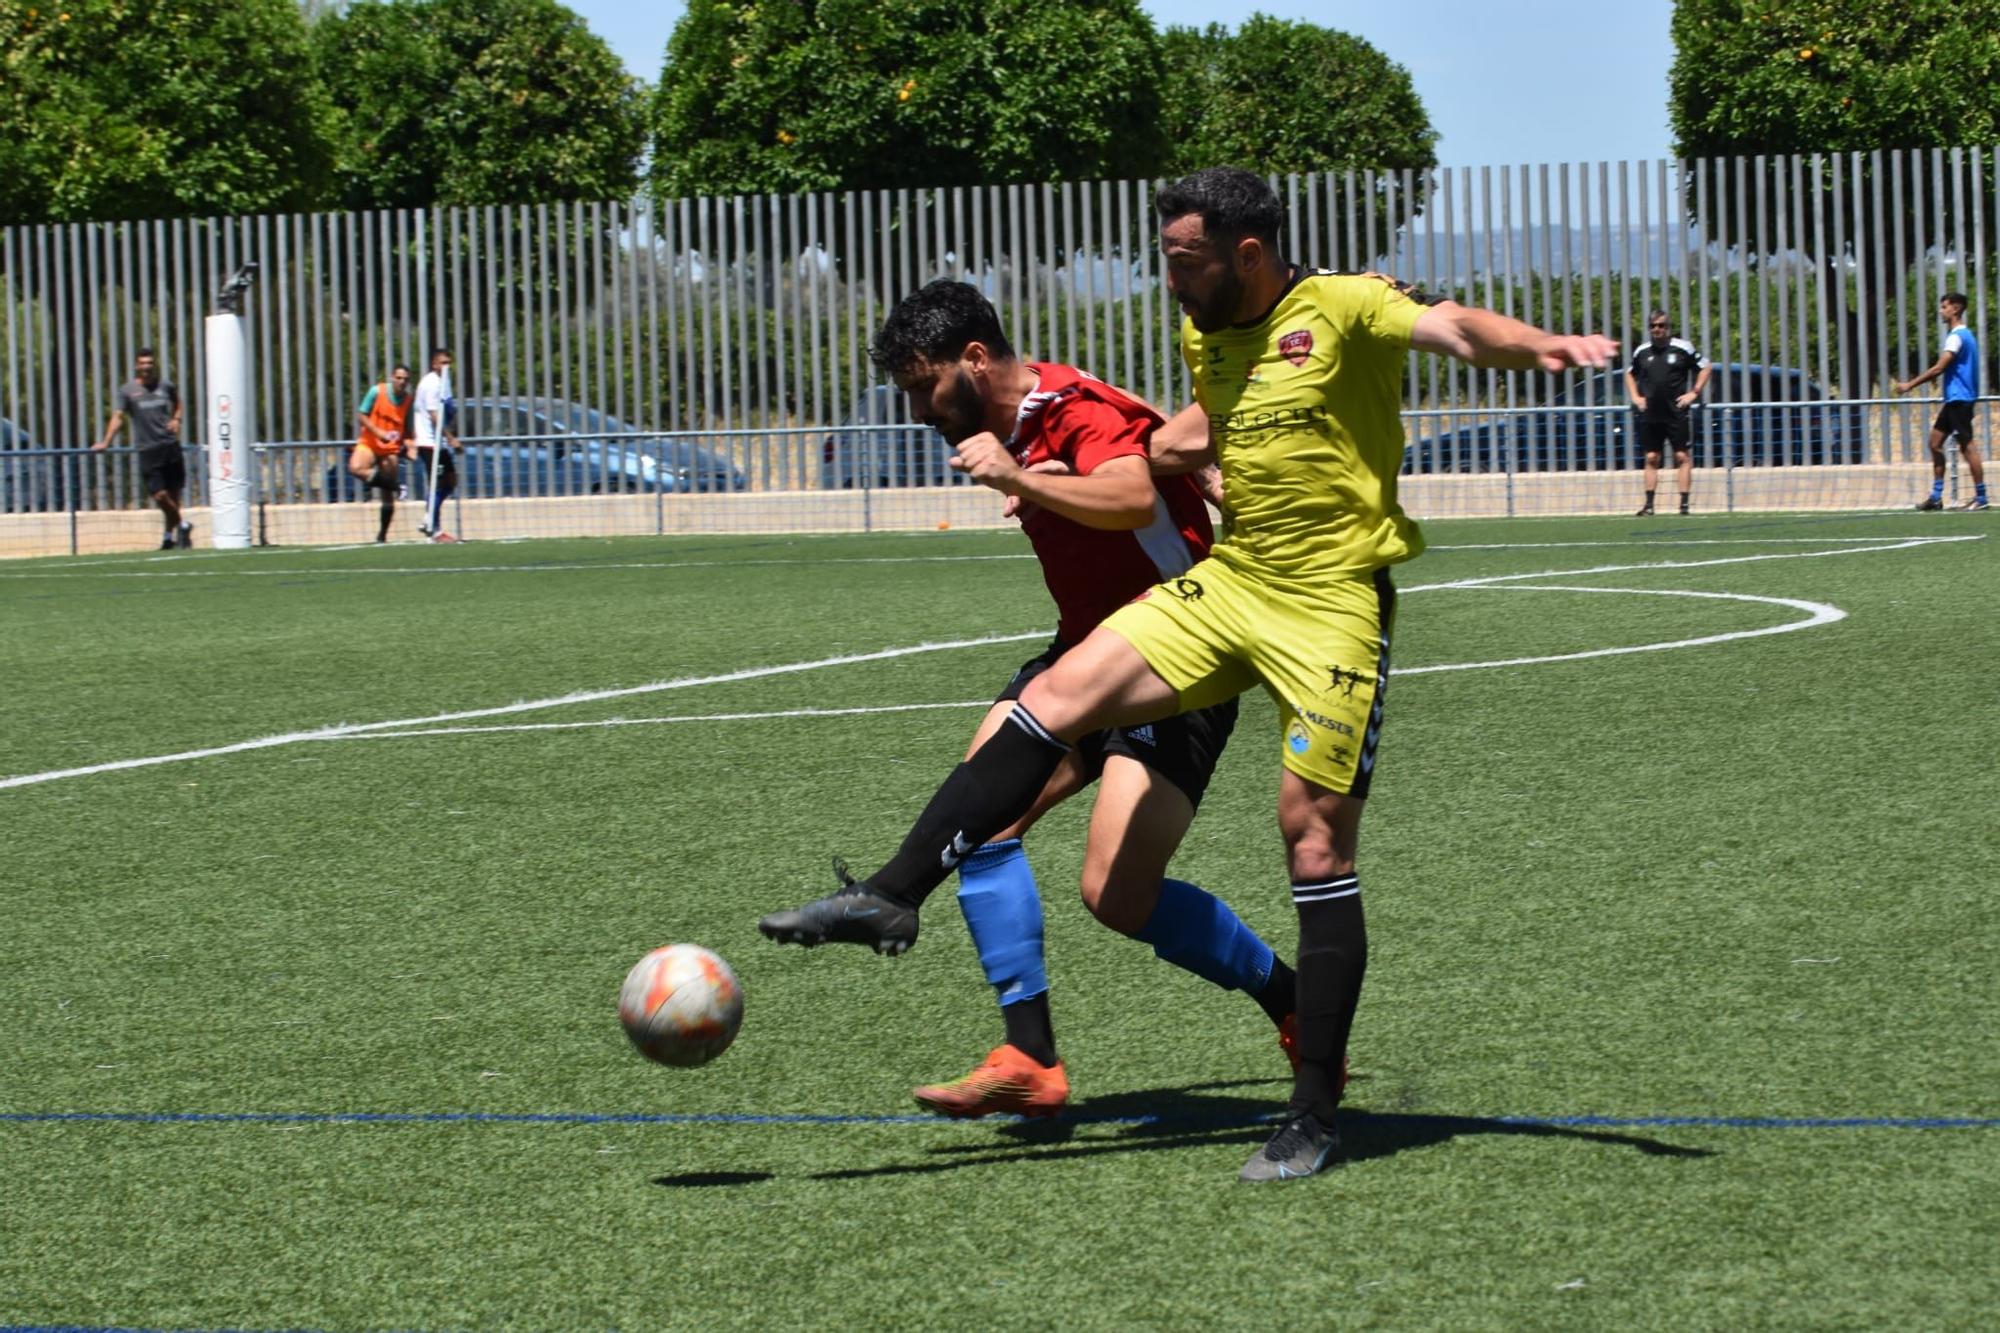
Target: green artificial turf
{"points": [[1744, 885]]}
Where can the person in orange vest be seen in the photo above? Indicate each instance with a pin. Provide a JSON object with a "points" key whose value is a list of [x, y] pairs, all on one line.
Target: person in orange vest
{"points": [[376, 460]]}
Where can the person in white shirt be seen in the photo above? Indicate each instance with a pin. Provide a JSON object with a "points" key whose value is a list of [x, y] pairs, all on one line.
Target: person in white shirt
{"points": [[431, 433]]}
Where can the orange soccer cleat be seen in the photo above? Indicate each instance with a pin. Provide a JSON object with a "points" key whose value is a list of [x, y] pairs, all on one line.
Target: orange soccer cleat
{"points": [[1288, 1042], [1008, 1080]]}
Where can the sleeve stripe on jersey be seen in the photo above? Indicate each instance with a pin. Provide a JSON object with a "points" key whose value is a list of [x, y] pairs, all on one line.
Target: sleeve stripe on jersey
{"points": [[1163, 542]]}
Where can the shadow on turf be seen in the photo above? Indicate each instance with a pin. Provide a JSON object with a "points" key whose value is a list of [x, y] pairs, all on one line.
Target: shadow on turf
{"points": [[698, 1179], [1191, 1117]]}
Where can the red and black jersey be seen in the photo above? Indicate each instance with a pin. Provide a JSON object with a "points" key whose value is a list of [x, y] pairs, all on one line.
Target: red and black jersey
{"points": [[1074, 417]]}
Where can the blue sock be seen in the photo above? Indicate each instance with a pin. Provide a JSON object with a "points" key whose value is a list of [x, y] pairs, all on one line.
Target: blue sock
{"points": [[1003, 910], [1937, 489], [1980, 491], [1195, 930]]}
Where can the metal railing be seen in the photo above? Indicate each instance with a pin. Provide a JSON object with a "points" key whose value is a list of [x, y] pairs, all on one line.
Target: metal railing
{"points": [[754, 313], [822, 468]]}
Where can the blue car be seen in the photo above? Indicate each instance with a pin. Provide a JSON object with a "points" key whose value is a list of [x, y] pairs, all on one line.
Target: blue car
{"points": [[876, 448], [35, 481], [1750, 416], [533, 448]]}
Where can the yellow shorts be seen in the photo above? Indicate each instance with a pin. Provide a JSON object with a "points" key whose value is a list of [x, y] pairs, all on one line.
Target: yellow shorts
{"points": [[1321, 652]]}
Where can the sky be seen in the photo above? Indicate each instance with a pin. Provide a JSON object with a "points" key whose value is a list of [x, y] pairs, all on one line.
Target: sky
{"points": [[1505, 81]]}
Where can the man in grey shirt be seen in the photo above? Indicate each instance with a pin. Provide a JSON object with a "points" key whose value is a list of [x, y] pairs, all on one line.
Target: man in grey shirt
{"points": [[153, 406]]}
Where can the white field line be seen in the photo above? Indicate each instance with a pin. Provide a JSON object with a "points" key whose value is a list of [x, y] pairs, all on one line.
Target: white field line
{"points": [[100, 569], [584, 567], [1888, 545], [528, 706], [592, 696], [776, 715], [1674, 543]]}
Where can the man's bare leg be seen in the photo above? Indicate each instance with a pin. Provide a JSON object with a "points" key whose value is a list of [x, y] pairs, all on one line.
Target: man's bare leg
{"points": [[1101, 682]]}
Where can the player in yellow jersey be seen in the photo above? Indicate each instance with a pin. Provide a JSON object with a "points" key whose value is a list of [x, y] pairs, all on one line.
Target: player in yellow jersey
{"points": [[1298, 378]]}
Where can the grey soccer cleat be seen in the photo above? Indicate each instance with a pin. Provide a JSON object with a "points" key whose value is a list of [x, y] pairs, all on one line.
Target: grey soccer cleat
{"points": [[1301, 1147], [856, 914]]}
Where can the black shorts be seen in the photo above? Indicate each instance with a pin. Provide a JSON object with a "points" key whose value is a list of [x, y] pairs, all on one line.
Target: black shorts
{"points": [[1657, 434], [1183, 749], [163, 470], [1954, 419]]}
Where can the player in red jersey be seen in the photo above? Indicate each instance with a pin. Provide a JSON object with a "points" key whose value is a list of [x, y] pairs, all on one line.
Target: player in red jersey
{"points": [[1070, 453]]}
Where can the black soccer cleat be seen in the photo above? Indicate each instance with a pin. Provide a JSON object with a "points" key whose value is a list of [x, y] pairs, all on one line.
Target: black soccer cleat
{"points": [[1929, 504], [855, 915], [1645, 511], [1301, 1147]]}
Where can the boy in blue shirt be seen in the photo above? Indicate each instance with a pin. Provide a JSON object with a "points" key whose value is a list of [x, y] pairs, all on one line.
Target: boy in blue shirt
{"points": [[1959, 365]]}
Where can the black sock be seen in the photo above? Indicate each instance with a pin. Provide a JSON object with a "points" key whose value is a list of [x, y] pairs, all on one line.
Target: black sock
{"points": [[1333, 955], [1649, 499], [1280, 995], [982, 796], [1684, 502], [1029, 1029]]}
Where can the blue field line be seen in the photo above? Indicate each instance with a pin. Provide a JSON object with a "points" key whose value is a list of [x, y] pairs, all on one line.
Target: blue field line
{"points": [[1083, 1116], [99, 1327], [93, 1327]]}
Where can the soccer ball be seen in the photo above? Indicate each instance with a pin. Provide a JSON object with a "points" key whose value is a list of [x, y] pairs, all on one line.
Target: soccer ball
{"points": [[681, 1005]]}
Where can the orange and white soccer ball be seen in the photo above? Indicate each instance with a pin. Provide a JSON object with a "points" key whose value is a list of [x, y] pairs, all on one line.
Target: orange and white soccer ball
{"points": [[681, 1005]]}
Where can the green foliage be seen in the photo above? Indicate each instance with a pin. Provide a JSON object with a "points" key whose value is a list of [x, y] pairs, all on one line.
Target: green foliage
{"points": [[850, 94], [1804, 76], [111, 109], [841, 94], [1281, 96], [476, 101]]}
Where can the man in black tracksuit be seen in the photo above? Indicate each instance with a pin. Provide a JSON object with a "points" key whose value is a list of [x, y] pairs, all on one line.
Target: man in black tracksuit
{"points": [[1665, 379]]}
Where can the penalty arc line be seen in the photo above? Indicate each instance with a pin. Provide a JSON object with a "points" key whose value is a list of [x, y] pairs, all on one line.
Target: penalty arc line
{"points": [[1817, 613]]}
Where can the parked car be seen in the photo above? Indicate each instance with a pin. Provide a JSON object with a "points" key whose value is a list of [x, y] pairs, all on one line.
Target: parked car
{"points": [[522, 447], [34, 482], [1750, 416], [878, 459]]}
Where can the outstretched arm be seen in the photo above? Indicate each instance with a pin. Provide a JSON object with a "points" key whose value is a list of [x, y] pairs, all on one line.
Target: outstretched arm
{"points": [[111, 429], [1493, 341]]}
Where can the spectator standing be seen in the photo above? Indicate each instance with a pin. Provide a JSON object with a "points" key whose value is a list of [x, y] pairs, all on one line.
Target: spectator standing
{"points": [[152, 405], [378, 453], [1664, 381], [431, 429], [1958, 363]]}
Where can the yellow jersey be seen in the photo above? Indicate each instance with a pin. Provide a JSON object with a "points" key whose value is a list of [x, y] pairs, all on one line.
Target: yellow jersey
{"points": [[1304, 411]]}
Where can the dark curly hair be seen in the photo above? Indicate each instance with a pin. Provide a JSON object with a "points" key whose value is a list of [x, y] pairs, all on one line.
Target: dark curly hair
{"points": [[934, 324], [1233, 203]]}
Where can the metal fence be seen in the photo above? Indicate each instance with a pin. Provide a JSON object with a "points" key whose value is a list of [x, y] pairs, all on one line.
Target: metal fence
{"points": [[752, 314]]}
